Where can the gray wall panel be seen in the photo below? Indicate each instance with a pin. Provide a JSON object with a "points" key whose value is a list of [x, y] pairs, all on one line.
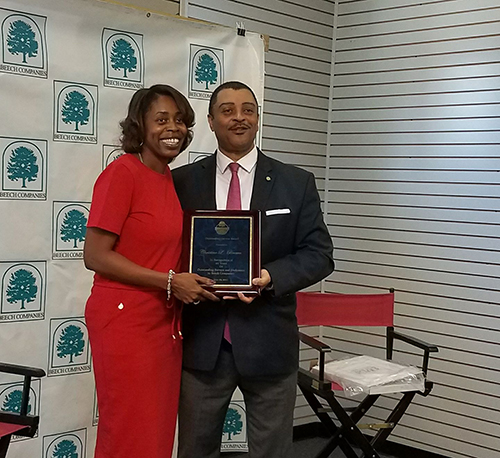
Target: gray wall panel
{"points": [[412, 184]]}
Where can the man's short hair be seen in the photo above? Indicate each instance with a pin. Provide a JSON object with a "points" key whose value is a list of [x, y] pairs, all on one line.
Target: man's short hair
{"points": [[236, 85]]}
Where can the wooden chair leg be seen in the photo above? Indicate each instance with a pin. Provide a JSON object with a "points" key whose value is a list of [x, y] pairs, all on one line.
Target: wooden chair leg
{"points": [[393, 418], [4, 445], [350, 429], [337, 438]]}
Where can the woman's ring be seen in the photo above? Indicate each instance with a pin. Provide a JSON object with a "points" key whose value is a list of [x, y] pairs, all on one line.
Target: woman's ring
{"points": [[196, 302]]}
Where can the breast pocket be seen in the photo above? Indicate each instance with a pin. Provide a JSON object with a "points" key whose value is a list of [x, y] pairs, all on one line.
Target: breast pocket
{"points": [[277, 211]]}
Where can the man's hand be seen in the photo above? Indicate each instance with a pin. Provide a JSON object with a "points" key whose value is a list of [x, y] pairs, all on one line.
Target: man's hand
{"points": [[261, 281]]}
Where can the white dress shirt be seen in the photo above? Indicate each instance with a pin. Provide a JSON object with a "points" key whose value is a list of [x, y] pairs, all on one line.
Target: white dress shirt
{"points": [[246, 174]]}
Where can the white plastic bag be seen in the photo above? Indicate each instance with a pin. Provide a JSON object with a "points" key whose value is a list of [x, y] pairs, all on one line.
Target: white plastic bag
{"points": [[365, 374]]}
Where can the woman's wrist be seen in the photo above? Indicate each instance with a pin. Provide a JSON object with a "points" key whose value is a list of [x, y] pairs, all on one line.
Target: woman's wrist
{"points": [[171, 274]]}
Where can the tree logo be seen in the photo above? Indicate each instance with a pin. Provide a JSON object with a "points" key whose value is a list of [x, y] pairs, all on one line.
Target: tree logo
{"points": [[69, 347], [123, 59], [71, 343], [232, 423], [22, 40], [70, 227], [22, 288], [234, 432], [23, 291], [110, 153], [23, 43], [74, 227], [65, 449], [75, 108], [24, 169], [70, 444], [123, 56], [205, 71], [11, 396], [22, 165], [12, 402]]}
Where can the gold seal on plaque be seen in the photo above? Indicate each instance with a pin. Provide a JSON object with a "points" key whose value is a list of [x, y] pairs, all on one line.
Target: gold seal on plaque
{"points": [[222, 228]]}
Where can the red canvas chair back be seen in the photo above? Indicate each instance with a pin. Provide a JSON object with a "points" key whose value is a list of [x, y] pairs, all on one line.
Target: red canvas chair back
{"points": [[332, 309]]}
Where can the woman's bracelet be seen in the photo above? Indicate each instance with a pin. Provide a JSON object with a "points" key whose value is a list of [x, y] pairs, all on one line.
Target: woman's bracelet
{"points": [[171, 274]]}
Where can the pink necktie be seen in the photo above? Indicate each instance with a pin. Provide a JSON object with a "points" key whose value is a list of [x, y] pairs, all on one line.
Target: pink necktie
{"points": [[233, 203], [234, 194]]}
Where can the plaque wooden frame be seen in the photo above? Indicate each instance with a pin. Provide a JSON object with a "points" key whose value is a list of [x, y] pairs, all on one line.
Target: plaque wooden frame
{"points": [[215, 262]]}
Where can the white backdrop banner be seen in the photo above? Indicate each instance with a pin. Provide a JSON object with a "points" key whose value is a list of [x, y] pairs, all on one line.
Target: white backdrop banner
{"points": [[68, 69]]}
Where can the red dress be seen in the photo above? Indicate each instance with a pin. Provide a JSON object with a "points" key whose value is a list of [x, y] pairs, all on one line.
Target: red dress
{"points": [[134, 332]]}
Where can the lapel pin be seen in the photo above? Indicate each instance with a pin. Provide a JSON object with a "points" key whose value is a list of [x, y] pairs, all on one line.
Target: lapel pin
{"points": [[268, 178]]}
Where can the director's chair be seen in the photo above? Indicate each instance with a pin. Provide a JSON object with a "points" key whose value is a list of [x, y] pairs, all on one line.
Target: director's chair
{"points": [[333, 309], [18, 423]]}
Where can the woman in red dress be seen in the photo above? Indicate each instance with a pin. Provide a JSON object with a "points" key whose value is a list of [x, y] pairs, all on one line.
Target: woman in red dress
{"points": [[133, 244]]}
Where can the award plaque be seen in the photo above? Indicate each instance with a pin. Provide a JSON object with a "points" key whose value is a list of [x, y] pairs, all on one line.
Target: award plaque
{"points": [[223, 245]]}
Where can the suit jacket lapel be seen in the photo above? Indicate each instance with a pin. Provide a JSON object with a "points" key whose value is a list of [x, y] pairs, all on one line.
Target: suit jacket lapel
{"points": [[206, 183], [263, 182]]}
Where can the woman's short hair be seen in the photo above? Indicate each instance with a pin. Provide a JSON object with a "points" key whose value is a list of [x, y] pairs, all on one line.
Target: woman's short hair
{"points": [[132, 126]]}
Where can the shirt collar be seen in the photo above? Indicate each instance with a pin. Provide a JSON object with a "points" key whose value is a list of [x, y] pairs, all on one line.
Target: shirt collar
{"points": [[247, 162]]}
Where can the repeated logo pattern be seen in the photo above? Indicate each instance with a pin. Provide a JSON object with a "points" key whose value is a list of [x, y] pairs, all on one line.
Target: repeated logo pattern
{"points": [[75, 112], [123, 58], [11, 396], [69, 229], [206, 68], [24, 169], [69, 347], [23, 291], [70, 444], [110, 153], [234, 432], [232, 423], [25, 172], [23, 43]]}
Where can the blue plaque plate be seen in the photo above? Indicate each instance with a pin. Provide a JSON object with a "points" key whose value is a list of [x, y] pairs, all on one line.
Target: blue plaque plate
{"points": [[224, 246]]}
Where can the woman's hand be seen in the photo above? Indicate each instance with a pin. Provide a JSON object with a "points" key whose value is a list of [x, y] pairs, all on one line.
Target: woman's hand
{"points": [[189, 288]]}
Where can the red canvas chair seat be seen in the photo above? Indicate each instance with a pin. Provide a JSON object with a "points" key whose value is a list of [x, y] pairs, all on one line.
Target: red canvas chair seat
{"points": [[336, 387], [20, 424], [333, 309], [6, 429]]}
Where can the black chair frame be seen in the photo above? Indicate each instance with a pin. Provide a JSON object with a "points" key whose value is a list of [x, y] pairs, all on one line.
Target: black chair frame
{"points": [[314, 387], [22, 417]]}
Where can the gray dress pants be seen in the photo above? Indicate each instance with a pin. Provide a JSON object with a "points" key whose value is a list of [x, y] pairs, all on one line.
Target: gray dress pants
{"points": [[205, 396]]}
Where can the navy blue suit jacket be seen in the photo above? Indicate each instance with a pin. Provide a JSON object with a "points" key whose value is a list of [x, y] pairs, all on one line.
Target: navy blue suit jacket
{"points": [[296, 250]]}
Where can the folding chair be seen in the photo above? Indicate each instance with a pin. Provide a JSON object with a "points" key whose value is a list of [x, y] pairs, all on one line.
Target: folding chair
{"points": [[352, 310], [18, 423]]}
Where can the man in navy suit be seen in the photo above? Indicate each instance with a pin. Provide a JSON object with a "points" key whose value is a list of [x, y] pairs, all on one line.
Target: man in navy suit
{"points": [[260, 356]]}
